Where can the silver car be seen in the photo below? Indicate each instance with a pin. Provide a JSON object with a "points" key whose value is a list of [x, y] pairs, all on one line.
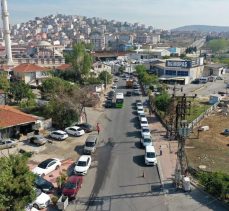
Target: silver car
{"points": [[7, 143], [38, 140]]}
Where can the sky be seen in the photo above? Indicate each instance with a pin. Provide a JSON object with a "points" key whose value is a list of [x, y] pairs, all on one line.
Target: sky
{"points": [[164, 14]]}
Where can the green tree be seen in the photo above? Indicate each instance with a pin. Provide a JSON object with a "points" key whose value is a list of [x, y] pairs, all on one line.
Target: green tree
{"points": [[121, 69], [81, 61], [141, 71], [105, 77], [162, 101], [20, 91], [149, 79], [218, 44], [16, 189], [53, 86], [4, 82]]}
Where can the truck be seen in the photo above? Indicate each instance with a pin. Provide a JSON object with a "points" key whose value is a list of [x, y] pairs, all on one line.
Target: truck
{"points": [[129, 83]]}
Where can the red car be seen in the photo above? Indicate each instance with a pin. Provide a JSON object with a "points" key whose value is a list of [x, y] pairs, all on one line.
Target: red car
{"points": [[72, 186]]}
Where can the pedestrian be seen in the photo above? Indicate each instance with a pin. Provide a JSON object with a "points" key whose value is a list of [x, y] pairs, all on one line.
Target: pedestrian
{"points": [[160, 151], [98, 128]]}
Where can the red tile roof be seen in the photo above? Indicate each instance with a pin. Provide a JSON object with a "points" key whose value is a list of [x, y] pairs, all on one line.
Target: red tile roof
{"points": [[10, 116], [26, 67], [64, 67]]}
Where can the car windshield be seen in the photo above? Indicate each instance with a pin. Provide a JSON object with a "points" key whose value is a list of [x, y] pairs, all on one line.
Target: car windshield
{"points": [[140, 109], [40, 181], [81, 163], [145, 130], [150, 154], [90, 144], [119, 101], [70, 185], [147, 140], [44, 164], [144, 122], [38, 192]]}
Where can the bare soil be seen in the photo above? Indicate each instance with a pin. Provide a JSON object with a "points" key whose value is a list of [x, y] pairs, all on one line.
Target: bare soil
{"points": [[211, 148]]}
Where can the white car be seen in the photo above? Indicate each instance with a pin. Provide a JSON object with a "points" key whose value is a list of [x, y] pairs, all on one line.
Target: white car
{"points": [[145, 131], [146, 141], [114, 86], [138, 104], [140, 111], [47, 166], [144, 122], [75, 131], [59, 135], [42, 200], [141, 115], [150, 156], [82, 165]]}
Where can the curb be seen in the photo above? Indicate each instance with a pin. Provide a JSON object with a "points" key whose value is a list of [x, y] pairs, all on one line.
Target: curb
{"points": [[159, 170]]}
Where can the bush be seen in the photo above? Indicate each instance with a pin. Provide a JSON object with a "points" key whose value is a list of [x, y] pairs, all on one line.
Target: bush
{"points": [[215, 183], [162, 101]]}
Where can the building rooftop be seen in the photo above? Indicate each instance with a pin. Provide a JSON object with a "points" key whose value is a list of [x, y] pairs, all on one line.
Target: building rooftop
{"points": [[214, 65], [64, 67], [26, 67], [10, 116]]}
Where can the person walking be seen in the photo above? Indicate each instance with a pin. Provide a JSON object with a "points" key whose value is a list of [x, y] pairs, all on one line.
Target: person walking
{"points": [[98, 128]]}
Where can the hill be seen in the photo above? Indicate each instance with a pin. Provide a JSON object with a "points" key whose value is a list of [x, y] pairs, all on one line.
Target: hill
{"points": [[203, 28]]}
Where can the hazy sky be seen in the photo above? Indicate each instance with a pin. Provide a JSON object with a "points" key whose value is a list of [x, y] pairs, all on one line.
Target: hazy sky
{"points": [[158, 13]]}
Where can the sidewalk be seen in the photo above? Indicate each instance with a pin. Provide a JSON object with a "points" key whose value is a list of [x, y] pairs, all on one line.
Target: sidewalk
{"points": [[166, 159]]}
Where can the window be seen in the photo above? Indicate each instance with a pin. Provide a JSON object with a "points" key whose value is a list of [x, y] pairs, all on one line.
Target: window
{"points": [[170, 72], [182, 73]]}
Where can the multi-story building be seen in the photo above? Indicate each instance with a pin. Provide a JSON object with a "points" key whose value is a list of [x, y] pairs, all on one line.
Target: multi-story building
{"points": [[97, 39]]}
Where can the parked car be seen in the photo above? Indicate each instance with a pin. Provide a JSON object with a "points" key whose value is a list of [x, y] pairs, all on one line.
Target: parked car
{"points": [[109, 104], [146, 141], [43, 184], [114, 86], [59, 135], [38, 140], [116, 80], [72, 186], [47, 166], [128, 93], [144, 122], [90, 144], [42, 200], [7, 143], [137, 91], [75, 131], [139, 105], [145, 131], [82, 165], [226, 132], [141, 115], [86, 127], [138, 101], [150, 156], [140, 111]]}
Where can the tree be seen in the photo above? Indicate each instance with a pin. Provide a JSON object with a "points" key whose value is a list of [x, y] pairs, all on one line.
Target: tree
{"points": [[81, 62], [4, 82], [121, 69], [20, 91], [105, 77], [218, 44], [16, 189], [162, 101], [141, 70], [53, 86]]}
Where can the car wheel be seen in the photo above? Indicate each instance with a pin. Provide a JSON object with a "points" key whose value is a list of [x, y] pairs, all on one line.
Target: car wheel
{"points": [[57, 167], [59, 139], [36, 206]]}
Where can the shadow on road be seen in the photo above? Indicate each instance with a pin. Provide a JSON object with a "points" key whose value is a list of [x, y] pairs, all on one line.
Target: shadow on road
{"points": [[139, 160], [134, 134], [138, 145], [79, 149]]}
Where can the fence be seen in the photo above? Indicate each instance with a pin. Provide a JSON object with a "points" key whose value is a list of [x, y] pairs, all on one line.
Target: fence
{"points": [[199, 118]]}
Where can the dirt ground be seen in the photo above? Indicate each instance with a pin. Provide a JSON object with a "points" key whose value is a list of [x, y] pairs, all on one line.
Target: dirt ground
{"points": [[211, 148]]}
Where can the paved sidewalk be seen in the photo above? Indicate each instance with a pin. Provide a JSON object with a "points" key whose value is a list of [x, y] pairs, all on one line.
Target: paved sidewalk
{"points": [[166, 150]]}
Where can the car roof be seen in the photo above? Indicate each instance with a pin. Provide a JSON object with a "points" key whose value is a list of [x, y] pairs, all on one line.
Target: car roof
{"points": [[145, 128], [74, 127], [91, 138], [84, 157], [150, 149], [59, 131], [143, 119]]}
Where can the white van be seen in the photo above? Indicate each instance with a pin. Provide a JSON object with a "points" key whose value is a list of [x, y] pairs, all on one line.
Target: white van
{"points": [[203, 80], [150, 156]]}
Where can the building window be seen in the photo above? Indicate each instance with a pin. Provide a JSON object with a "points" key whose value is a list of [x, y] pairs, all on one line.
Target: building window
{"points": [[170, 72], [182, 73]]}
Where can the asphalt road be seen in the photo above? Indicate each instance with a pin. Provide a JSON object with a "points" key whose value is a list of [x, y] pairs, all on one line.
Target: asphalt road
{"points": [[120, 183]]}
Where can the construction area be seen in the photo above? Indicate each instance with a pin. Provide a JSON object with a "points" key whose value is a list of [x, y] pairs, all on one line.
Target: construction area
{"points": [[209, 150]]}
